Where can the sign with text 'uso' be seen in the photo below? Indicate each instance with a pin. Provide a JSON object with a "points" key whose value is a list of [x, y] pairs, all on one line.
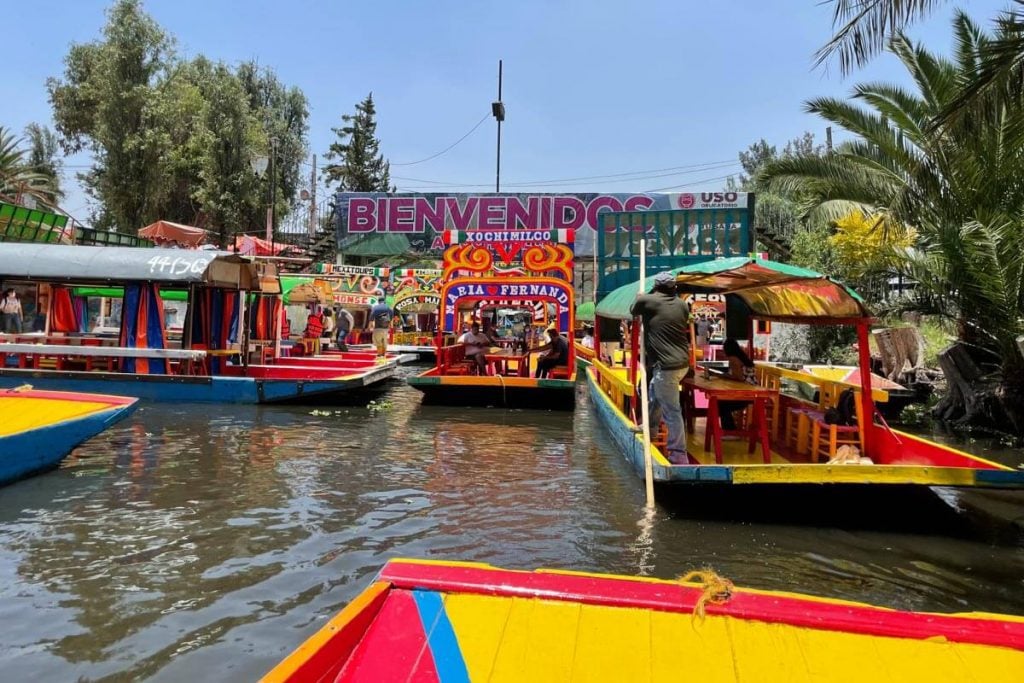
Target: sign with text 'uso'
{"points": [[421, 218]]}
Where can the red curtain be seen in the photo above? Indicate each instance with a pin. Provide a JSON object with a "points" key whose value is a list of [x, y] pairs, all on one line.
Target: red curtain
{"points": [[62, 311]]}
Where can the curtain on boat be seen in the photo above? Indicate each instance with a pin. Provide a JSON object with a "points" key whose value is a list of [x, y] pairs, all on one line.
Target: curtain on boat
{"points": [[265, 319], [62, 311], [215, 323], [142, 326]]}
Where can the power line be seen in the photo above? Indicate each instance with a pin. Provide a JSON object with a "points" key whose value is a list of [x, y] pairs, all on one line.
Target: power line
{"points": [[636, 175], [689, 184], [449, 147], [437, 185]]}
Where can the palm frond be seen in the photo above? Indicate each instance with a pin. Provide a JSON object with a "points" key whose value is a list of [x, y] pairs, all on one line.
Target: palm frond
{"points": [[862, 28]]}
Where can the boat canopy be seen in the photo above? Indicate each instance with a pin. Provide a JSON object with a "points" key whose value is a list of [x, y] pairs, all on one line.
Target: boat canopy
{"points": [[118, 265], [297, 289], [772, 291], [585, 312]]}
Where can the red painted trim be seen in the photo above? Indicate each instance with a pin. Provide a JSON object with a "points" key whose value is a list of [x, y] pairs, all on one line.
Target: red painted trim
{"points": [[866, 400], [670, 597], [71, 396]]}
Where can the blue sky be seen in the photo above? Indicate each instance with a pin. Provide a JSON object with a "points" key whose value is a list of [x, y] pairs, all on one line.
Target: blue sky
{"points": [[592, 87]]}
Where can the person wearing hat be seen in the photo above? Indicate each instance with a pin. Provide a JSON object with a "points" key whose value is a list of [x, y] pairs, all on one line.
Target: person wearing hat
{"points": [[666, 345], [556, 352]]}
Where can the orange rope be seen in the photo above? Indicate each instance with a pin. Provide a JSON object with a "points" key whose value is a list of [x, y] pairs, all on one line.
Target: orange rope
{"points": [[717, 590]]}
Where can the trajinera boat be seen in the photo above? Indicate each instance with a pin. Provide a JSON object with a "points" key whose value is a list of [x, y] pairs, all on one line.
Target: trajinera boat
{"points": [[784, 438], [228, 348], [511, 279], [40, 428], [449, 621]]}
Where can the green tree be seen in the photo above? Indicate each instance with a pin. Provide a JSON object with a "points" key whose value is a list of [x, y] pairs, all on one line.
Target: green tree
{"points": [[44, 155], [173, 138], [360, 165], [108, 102], [960, 191], [282, 113], [776, 217], [20, 177]]}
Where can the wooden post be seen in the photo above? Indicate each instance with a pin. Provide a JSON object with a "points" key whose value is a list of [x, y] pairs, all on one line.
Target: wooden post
{"points": [[642, 369], [867, 402]]}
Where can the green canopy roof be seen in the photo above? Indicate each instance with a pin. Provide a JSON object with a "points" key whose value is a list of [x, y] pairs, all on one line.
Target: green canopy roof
{"points": [[620, 300], [585, 311], [118, 293], [772, 290]]}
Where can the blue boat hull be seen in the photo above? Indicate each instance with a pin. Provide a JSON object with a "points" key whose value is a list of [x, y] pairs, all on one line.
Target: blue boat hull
{"points": [[172, 388], [38, 450], [629, 442]]}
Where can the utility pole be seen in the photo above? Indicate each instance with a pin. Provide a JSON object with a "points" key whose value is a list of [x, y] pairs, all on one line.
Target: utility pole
{"points": [[498, 110], [273, 193], [312, 200]]}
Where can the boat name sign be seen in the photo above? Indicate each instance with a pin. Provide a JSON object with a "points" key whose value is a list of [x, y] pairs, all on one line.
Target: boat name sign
{"points": [[179, 265]]}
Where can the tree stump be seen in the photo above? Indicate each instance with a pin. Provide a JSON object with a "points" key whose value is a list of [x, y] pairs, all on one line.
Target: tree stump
{"points": [[970, 395]]}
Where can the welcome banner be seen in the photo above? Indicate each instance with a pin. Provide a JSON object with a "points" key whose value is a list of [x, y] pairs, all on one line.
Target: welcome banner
{"points": [[422, 218]]}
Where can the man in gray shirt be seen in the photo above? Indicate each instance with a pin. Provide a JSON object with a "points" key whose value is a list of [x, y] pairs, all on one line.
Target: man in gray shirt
{"points": [[666, 344]]}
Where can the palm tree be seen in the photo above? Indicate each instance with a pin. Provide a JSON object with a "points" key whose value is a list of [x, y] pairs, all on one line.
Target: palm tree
{"points": [[862, 27], [18, 178], [959, 186]]}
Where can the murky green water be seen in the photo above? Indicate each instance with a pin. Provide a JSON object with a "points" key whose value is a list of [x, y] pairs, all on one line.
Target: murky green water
{"points": [[204, 543]]}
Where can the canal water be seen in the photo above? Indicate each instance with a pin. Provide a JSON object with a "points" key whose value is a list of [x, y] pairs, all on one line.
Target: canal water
{"points": [[204, 543]]}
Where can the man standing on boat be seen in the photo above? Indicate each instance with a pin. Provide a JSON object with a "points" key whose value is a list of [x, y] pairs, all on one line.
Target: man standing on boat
{"points": [[666, 344], [380, 316]]}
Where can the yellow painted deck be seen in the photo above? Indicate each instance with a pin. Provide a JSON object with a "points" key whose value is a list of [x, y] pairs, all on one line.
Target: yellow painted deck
{"points": [[527, 639], [437, 621], [25, 413]]}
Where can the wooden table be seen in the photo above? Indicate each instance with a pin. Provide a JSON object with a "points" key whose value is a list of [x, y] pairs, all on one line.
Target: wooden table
{"points": [[721, 389], [500, 360]]}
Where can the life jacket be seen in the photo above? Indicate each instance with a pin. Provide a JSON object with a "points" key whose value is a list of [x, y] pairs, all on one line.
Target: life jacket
{"points": [[314, 326]]}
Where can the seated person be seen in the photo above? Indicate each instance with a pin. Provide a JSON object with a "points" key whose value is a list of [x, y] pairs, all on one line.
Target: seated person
{"points": [[741, 369], [477, 344], [588, 337], [556, 353]]}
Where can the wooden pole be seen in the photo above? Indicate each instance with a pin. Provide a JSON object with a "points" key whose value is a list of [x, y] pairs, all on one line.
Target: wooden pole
{"points": [[642, 371], [867, 400]]}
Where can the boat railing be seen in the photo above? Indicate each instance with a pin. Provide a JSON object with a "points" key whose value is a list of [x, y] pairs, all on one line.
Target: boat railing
{"points": [[879, 395], [615, 384]]}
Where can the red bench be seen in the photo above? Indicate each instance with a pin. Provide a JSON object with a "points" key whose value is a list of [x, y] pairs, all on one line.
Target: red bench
{"points": [[451, 360]]}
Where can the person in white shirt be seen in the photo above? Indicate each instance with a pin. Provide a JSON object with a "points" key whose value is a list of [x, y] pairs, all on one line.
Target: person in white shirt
{"points": [[588, 337], [477, 345]]}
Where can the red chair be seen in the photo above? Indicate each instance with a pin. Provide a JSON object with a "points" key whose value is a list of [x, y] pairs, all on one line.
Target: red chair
{"points": [[92, 362]]}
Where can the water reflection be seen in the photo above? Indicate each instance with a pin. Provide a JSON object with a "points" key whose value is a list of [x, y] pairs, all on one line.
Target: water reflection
{"points": [[206, 542]]}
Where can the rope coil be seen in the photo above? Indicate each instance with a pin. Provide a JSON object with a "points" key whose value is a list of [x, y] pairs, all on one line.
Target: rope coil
{"points": [[717, 590]]}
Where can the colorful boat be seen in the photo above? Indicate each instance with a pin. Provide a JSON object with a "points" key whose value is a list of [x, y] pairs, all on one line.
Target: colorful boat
{"points": [[897, 395], [228, 347], [417, 300], [40, 428], [791, 442], [446, 621], [532, 274], [584, 356]]}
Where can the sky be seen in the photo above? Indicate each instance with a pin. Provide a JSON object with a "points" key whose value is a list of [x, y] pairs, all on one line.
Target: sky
{"points": [[646, 94]]}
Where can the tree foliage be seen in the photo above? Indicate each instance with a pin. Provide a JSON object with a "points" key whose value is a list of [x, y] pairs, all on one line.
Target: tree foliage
{"points": [[776, 216], [360, 166], [960, 190], [171, 138], [27, 172]]}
